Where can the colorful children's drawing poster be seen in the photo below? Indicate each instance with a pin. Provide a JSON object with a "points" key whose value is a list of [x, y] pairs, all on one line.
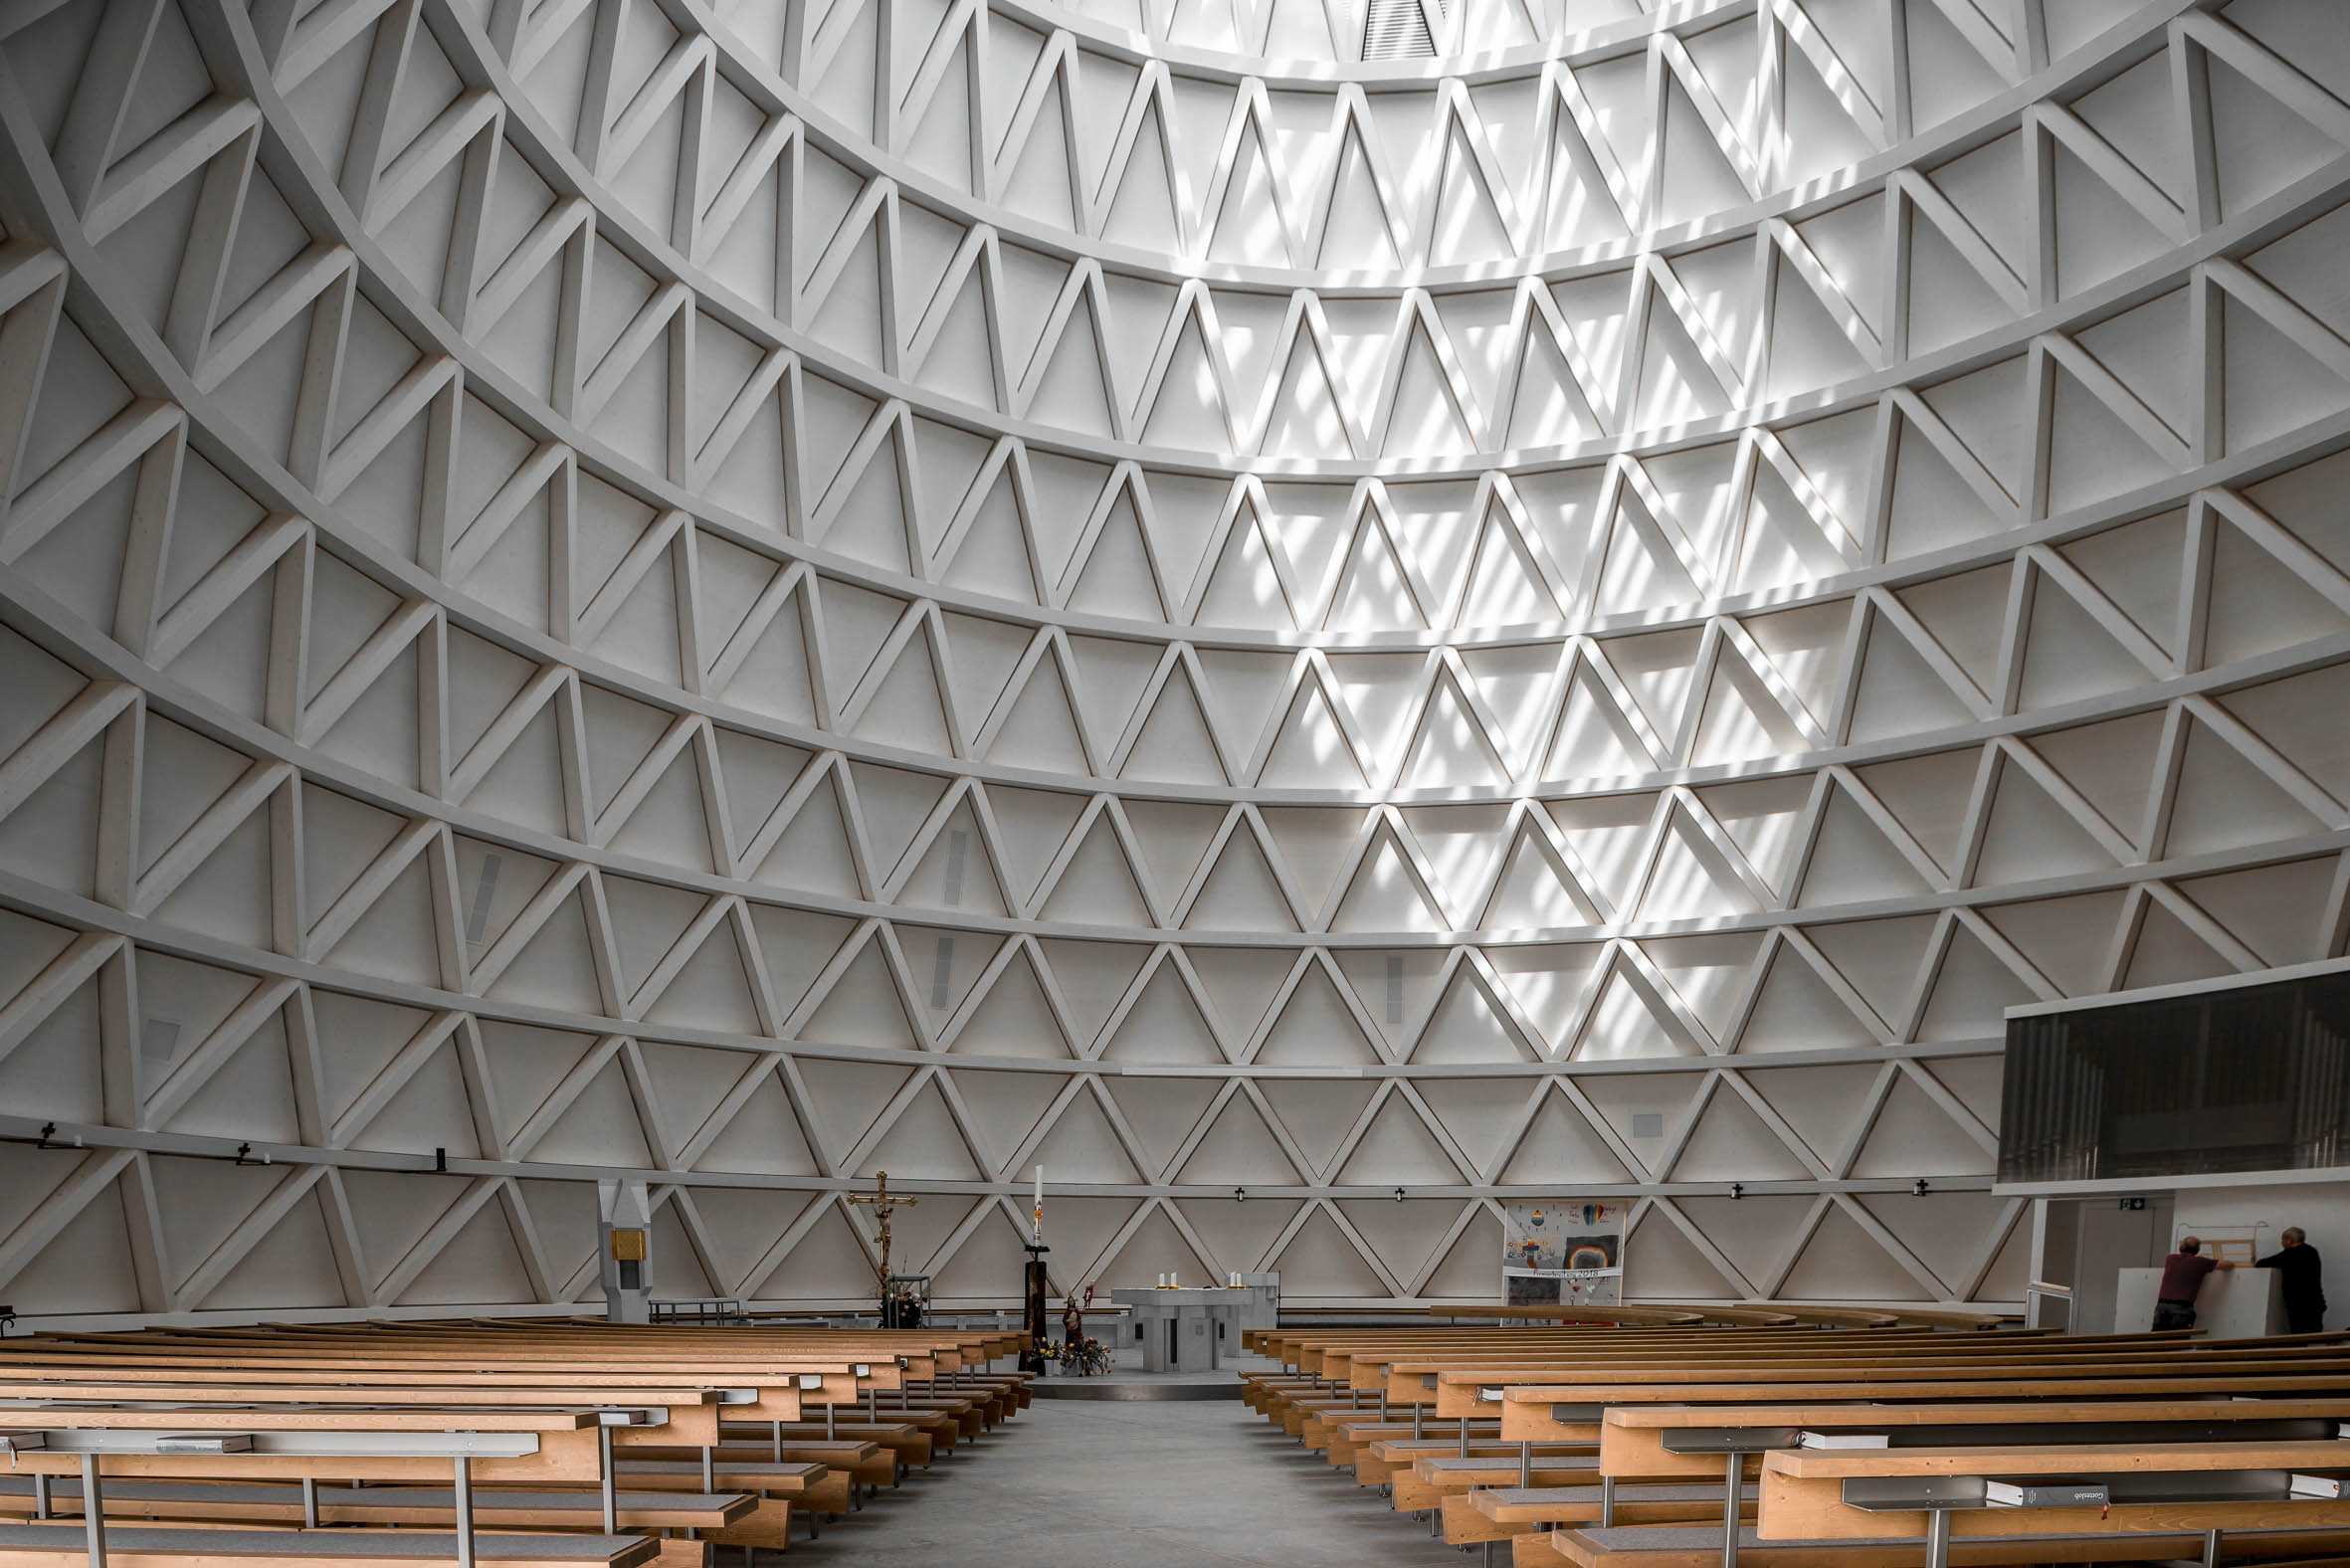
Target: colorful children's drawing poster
{"points": [[1562, 1250]]}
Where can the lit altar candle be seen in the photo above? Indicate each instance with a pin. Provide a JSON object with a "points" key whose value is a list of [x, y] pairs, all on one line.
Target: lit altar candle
{"points": [[1037, 1216]]}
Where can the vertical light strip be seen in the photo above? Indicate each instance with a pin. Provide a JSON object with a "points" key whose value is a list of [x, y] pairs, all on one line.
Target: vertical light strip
{"points": [[958, 844], [476, 919], [942, 970]]}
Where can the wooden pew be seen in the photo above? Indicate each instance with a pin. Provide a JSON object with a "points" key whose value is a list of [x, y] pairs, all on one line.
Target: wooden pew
{"points": [[516, 1413], [64, 1546], [1556, 1389], [1533, 1414], [1638, 1441], [407, 1507], [274, 1442], [1509, 1513], [1653, 1444], [829, 1370], [1675, 1442], [1699, 1546], [1455, 1389], [1938, 1493], [1430, 1478], [1360, 1363], [864, 1464], [817, 1491]]}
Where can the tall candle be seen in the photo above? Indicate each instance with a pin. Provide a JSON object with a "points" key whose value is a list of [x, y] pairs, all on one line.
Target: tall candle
{"points": [[1037, 1217]]}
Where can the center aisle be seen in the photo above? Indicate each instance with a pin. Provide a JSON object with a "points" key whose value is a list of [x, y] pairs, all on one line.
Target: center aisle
{"points": [[1129, 1485]]}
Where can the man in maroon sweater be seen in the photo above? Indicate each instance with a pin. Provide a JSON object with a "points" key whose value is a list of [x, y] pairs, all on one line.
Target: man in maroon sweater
{"points": [[2183, 1274]]}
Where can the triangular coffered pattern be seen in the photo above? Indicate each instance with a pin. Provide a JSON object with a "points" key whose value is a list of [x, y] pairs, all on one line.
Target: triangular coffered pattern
{"points": [[888, 588]]}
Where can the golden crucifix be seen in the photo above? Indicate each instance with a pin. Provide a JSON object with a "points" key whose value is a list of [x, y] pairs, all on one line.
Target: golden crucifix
{"points": [[885, 1204]]}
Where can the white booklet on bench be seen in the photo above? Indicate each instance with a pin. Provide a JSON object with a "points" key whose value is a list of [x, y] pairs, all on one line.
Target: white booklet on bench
{"points": [[2046, 1494], [1844, 1440]]}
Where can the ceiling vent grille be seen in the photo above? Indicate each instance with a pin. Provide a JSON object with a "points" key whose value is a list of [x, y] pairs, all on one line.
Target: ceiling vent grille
{"points": [[1396, 30]]}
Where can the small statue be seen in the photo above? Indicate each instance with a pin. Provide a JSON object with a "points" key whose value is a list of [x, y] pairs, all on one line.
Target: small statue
{"points": [[1072, 1320]]}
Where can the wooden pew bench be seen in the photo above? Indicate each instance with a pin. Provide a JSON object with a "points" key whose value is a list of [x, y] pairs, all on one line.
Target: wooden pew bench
{"points": [[474, 1448], [514, 1407], [763, 1392], [1380, 1463], [1474, 1395], [1496, 1513], [1548, 1413], [861, 1463], [1380, 1448], [1657, 1442], [1843, 1508], [1664, 1441], [1700, 1546], [810, 1487], [1468, 1392], [420, 1507], [834, 1378], [1940, 1494], [1656, 1438], [913, 1444], [1427, 1482], [144, 1546]]}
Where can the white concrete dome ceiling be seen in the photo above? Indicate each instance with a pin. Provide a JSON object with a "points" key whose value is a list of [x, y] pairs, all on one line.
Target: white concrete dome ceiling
{"points": [[1111, 586]]}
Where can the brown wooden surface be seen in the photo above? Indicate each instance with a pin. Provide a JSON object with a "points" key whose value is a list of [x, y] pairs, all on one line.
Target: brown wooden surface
{"points": [[2082, 1458]]}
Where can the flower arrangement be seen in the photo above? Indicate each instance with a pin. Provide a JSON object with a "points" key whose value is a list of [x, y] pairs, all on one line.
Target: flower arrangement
{"points": [[1083, 1356]]}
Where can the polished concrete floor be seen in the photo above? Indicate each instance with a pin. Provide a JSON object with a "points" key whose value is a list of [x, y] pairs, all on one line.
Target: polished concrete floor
{"points": [[1073, 1484]]}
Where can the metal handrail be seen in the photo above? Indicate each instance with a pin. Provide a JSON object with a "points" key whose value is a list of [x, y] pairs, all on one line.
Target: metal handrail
{"points": [[697, 1309]]}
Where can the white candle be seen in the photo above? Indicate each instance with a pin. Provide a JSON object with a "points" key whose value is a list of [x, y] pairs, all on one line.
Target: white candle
{"points": [[1037, 1216]]}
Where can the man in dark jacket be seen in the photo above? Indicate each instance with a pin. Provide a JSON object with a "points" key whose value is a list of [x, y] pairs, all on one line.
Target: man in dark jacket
{"points": [[2301, 1286]]}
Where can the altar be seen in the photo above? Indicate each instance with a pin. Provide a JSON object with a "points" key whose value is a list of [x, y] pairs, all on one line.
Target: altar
{"points": [[1184, 1330]]}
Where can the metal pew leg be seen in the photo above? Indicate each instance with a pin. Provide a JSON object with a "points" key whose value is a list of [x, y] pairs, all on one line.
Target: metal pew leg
{"points": [[309, 1502], [1938, 1539], [1525, 1465], [93, 1512], [1729, 1511], [1607, 1501], [465, 1512], [2210, 1549], [610, 1483]]}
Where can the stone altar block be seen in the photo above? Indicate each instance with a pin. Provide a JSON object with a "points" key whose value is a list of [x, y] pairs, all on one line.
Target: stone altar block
{"points": [[1182, 1330], [1260, 1296]]}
